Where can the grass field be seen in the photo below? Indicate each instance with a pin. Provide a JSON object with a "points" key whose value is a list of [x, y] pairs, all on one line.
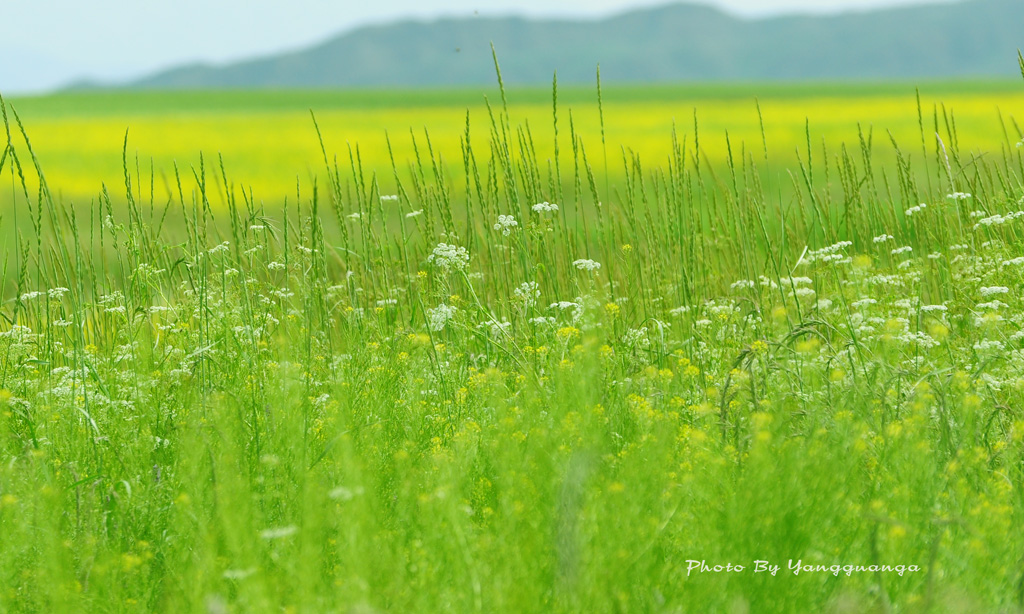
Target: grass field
{"points": [[479, 390], [268, 141]]}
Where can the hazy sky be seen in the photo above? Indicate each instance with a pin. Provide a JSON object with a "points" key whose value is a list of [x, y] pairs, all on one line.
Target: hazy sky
{"points": [[44, 43]]}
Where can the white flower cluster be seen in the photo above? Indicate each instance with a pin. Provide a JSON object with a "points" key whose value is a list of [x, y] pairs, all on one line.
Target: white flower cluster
{"points": [[906, 249], [882, 238], [995, 305], [743, 284], [993, 290], [223, 247], [388, 198], [996, 220], [988, 345], [576, 307], [637, 337], [528, 293], [921, 339], [919, 208], [449, 257], [505, 224], [586, 264], [958, 196], [828, 254], [545, 207], [498, 329], [439, 316]]}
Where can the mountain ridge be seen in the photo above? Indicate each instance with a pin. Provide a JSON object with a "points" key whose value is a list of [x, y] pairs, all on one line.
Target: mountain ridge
{"points": [[669, 43]]}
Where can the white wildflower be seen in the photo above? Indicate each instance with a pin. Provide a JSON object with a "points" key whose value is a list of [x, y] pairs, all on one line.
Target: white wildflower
{"points": [[414, 213], [449, 257], [796, 281], [906, 249], [993, 290], [994, 220], [528, 293], [439, 316], [586, 264], [223, 247], [637, 337], [498, 329], [882, 238], [743, 284], [988, 345], [828, 254], [919, 208], [545, 207], [958, 196], [505, 224], [991, 305], [388, 198]]}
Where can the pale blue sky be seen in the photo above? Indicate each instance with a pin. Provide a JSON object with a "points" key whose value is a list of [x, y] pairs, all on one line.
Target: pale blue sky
{"points": [[45, 43]]}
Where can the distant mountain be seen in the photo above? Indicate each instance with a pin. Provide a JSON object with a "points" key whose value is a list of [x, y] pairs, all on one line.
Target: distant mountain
{"points": [[678, 42]]}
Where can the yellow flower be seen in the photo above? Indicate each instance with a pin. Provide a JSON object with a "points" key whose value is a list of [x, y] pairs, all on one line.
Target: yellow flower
{"points": [[567, 332]]}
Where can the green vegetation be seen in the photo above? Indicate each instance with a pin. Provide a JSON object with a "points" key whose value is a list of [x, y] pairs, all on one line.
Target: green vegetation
{"points": [[501, 382], [267, 139]]}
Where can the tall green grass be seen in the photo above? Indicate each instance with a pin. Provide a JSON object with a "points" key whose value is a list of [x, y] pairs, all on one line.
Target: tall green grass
{"points": [[371, 397]]}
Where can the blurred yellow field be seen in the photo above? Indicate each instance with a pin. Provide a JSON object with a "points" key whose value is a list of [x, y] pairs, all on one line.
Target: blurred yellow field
{"points": [[268, 141]]}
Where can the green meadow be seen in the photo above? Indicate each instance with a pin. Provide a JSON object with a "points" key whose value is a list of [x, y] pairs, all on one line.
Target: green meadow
{"points": [[728, 349]]}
